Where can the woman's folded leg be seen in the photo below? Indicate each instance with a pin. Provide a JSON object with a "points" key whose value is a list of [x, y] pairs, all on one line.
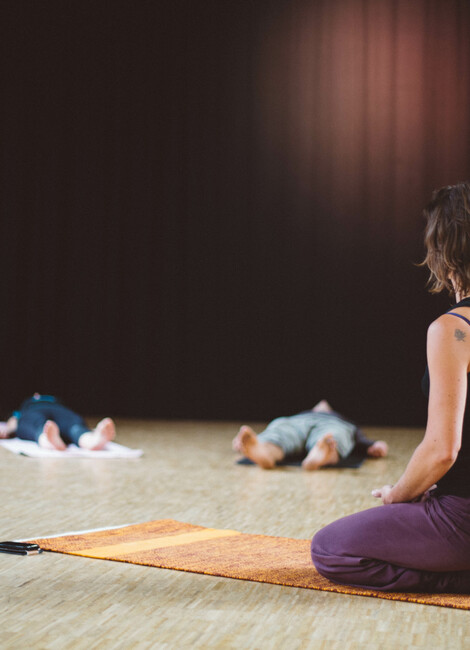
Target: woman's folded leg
{"points": [[400, 547]]}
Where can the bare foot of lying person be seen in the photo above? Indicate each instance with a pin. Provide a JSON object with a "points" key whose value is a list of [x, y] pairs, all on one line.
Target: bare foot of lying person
{"points": [[323, 453], [322, 407], [264, 454], [101, 434], [50, 437], [379, 449]]}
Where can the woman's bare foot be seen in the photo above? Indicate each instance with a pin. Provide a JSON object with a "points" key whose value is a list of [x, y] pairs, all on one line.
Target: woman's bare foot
{"points": [[264, 454], [378, 450], [323, 453], [50, 437], [101, 434], [322, 407]]}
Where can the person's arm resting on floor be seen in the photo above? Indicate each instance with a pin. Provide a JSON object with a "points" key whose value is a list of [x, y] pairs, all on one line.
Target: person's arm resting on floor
{"points": [[448, 351]]}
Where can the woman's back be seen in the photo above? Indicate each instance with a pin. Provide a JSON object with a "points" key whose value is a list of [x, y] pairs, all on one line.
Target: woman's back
{"points": [[457, 480]]}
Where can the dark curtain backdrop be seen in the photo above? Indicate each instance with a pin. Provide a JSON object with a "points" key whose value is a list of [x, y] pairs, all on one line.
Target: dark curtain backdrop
{"points": [[212, 209]]}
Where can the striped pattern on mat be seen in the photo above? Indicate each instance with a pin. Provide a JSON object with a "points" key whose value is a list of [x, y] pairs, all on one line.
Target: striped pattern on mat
{"points": [[170, 544]]}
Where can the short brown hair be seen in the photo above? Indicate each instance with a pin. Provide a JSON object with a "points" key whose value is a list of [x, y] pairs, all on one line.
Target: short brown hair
{"points": [[447, 239]]}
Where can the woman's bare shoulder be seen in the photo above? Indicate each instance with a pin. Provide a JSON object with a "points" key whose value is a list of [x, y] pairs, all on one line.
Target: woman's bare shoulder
{"points": [[443, 326], [451, 319], [449, 337]]}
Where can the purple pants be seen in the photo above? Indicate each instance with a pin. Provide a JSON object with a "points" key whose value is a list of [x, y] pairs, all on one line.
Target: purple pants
{"points": [[422, 547]]}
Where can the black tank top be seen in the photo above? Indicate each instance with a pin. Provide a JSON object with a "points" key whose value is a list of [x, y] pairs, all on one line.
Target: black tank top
{"points": [[457, 479]]}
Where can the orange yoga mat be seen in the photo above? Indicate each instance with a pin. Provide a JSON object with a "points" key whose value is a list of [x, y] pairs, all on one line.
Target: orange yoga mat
{"points": [[170, 544]]}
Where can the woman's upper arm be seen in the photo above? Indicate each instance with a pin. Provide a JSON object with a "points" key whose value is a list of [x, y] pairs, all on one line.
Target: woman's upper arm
{"points": [[448, 352]]}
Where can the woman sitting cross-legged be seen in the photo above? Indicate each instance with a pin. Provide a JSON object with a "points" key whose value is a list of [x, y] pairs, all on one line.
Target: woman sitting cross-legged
{"points": [[419, 539]]}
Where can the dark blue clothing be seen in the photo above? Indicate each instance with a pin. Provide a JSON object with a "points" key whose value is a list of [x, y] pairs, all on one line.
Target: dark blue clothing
{"points": [[35, 411], [35, 400]]}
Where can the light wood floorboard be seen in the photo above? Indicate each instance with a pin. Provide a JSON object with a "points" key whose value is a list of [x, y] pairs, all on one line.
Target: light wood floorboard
{"points": [[188, 473]]}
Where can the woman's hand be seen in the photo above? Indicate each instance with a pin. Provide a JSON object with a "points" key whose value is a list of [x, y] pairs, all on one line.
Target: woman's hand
{"points": [[384, 493], [426, 495]]}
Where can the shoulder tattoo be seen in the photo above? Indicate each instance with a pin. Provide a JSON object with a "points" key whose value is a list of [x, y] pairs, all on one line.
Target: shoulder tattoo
{"points": [[459, 335]]}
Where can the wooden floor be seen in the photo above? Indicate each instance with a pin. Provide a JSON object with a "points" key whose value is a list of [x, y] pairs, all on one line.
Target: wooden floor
{"points": [[188, 473]]}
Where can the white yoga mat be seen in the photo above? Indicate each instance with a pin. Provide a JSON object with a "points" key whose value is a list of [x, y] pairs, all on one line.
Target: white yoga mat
{"points": [[32, 449]]}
